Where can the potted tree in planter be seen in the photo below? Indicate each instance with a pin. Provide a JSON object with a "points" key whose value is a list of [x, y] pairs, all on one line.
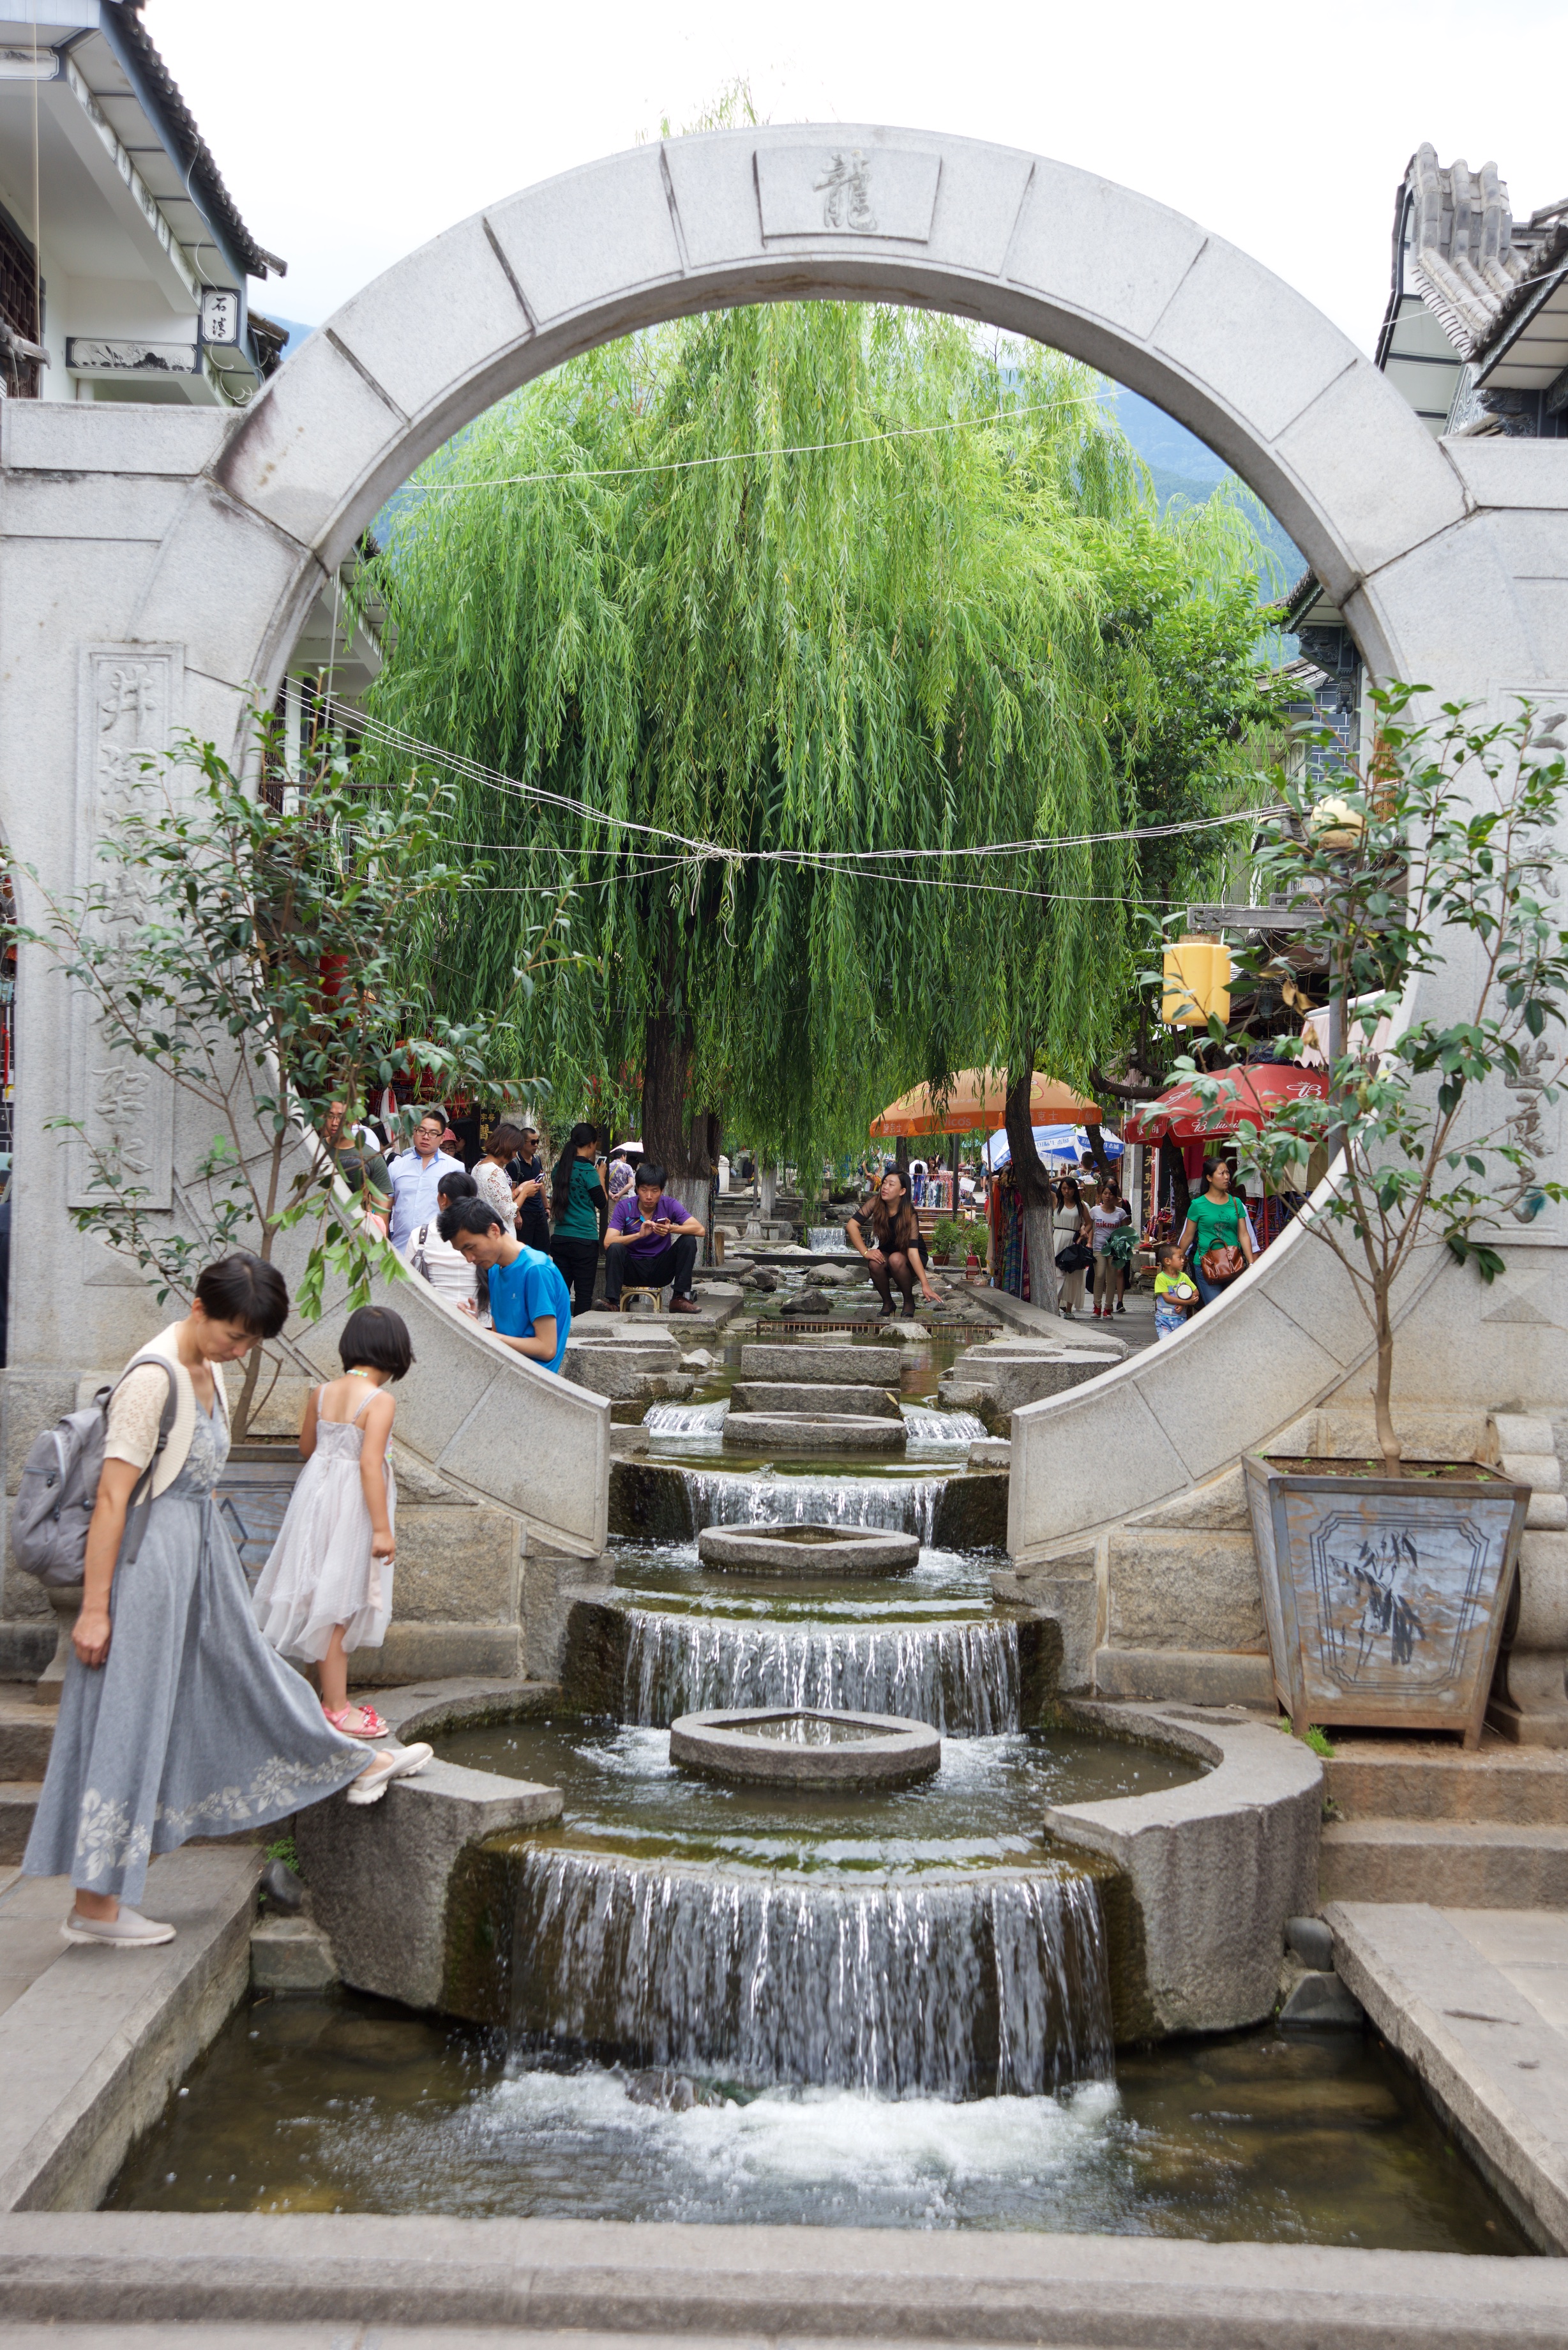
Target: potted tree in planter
{"points": [[1385, 1582], [950, 1242]]}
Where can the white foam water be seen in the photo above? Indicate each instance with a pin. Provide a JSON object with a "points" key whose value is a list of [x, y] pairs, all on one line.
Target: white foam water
{"points": [[899, 1504], [684, 1419], [926, 1427], [961, 1678], [979, 1988]]}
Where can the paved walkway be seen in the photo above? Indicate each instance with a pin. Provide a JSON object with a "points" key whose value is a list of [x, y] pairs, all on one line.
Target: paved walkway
{"points": [[1477, 2001], [91, 2042]]}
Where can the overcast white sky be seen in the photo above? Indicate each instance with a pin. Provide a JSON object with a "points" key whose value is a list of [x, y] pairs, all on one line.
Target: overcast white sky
{"points": [[351, 130]]}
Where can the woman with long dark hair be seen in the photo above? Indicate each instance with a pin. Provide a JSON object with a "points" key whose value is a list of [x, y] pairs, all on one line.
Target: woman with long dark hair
{"points": [[886, 1231], [176, 1718], [1217, 1231], [578, 1212], [1068, 1222]]}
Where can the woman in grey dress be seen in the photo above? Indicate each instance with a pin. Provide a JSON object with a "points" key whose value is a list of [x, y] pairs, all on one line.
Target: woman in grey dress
{"points": [[176, 1718]]}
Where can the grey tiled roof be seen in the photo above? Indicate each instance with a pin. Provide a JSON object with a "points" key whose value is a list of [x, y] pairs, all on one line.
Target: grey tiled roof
{"points": [[1471, 262], [204, 179]]}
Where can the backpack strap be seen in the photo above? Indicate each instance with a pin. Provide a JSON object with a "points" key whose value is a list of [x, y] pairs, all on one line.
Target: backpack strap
{"points": [[141, 1503]]}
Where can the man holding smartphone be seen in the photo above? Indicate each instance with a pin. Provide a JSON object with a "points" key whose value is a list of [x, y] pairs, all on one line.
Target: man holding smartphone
{"points": [[651, 1240]]}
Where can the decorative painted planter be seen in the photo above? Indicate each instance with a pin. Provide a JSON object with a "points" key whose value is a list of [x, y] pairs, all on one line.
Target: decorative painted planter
{"points": [[1384, 1596]]}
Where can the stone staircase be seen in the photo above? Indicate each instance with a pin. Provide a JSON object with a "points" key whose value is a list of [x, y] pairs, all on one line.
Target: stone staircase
{"points": [[1427, 1823], [797, 1399], [27, 1731]]}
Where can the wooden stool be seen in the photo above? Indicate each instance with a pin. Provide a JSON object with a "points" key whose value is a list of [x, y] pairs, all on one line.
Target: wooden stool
{"points": [[642, 1289]]}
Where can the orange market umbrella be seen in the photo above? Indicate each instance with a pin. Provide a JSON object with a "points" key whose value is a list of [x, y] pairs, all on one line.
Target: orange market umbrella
{"points": [[979, 1098], [1245, 1097]]}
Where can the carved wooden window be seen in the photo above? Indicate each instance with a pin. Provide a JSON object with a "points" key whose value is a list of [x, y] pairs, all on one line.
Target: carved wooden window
{"points": [[19, 306]]}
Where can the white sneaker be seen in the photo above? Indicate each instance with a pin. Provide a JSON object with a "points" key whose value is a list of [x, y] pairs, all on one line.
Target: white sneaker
{"points": [[129, 1931], [372, 1785]]}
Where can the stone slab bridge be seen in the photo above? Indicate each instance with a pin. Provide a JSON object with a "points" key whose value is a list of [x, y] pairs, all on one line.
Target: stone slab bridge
{"points": [[156, 565]]}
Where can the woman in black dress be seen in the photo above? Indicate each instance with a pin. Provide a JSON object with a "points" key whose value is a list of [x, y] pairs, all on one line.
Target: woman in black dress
{"points": [[886, 1231]]}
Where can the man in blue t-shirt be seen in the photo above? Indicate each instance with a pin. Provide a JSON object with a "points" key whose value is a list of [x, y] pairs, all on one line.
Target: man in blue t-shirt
{"points": [[529, 1302]]}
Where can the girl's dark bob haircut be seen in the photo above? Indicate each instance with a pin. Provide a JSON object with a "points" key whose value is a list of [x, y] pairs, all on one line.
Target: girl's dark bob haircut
{"points": [[456, 1185], [244, 1289], [375, 1339]]}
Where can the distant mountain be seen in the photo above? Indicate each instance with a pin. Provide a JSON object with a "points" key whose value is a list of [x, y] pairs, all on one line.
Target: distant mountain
{"points": [[1181, 465]]}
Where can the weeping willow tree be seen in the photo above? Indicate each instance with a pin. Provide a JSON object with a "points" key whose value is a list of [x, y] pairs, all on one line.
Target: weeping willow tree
{"points": [[788, 628]]}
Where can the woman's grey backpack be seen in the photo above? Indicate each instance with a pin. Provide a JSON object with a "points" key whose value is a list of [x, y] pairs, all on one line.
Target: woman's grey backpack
{"points": [[53, 1504]]}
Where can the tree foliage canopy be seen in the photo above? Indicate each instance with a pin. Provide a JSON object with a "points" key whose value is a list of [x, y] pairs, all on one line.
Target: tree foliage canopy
{"points": [[825, 598]]}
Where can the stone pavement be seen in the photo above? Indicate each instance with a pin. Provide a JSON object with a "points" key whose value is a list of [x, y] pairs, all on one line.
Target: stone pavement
{"points": [[1476, 2000], [338, 2279], [92, 2042]]}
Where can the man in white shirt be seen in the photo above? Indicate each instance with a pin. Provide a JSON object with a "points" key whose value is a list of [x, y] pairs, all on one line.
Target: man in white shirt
{"points": [[415, 1175]]}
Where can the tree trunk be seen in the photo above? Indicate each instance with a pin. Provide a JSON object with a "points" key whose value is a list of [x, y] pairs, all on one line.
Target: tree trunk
{"points": [[1096, 1146], [1388, 1444], [1033, 1186], [683, 1143], [241, 1423]]}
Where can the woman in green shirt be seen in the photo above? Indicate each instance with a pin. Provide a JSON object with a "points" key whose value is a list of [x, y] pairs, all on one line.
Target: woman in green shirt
{"points": [[1215, 1220], [578, 1213]]}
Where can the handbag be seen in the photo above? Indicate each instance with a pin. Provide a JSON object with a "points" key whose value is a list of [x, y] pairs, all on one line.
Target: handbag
{"points": [[1222, 1264], [1077, 1257]]}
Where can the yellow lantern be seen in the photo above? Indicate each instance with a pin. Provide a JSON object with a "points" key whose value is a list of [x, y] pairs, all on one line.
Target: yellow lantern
{"points": [[1196, 983]]}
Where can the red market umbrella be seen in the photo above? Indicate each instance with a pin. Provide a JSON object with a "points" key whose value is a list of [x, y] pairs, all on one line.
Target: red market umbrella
{"points": [[1245, 1096]]}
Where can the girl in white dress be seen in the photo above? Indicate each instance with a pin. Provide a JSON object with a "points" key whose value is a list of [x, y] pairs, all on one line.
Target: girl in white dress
{"points": [[327, 1586]]}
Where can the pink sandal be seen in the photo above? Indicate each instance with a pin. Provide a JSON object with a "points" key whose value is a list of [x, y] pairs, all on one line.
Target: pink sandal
{"points": [[371, 1722]]}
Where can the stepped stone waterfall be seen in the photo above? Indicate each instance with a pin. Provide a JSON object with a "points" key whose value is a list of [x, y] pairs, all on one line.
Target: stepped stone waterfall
{"points": [[954, 1991], [961, 1678]]}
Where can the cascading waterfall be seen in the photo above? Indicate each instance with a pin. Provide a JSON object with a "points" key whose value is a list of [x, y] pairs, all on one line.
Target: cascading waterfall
{"points": [[944, 1989], [902, 1505], [926, 1427], [961, 1678], [684, 1419]]}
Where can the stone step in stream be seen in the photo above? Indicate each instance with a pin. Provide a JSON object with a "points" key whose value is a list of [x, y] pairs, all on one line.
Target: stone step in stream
{"points": [[777, 1395], [773, 1431], [794, 1398], [812, 1366]]}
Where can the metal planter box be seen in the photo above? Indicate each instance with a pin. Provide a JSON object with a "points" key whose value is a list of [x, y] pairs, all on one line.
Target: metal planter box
{"points": [[1384, 1596]]}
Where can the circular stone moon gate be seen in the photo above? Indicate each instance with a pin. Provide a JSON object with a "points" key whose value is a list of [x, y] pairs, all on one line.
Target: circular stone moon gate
{"points": [[1418, 543]]}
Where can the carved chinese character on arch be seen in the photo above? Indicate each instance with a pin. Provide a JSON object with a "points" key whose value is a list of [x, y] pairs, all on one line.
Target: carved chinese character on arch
{"points": [[845, 189], [886, 192]]}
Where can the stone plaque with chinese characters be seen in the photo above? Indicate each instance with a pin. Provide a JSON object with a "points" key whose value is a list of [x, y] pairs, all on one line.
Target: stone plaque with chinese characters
{"points": [[829, 190], [128, 709]]}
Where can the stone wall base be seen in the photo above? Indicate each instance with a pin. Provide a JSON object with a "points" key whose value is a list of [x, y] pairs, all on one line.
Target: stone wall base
{"points": [[423, 1652], [1190, 1676]]}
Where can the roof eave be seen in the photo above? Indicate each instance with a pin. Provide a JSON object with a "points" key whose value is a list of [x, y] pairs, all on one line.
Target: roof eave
{"points": [[159, 98]]}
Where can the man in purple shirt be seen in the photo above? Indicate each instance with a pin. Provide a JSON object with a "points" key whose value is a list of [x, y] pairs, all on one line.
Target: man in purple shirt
{"points": [[651, 1240]]}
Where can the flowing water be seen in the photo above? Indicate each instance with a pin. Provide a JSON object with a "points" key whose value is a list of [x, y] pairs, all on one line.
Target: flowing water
{"points": [[352, 2105], [947, 1429], [961, 1678], [847, 2006], [684, 1419], [984, 1987], [904, 1504]]}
